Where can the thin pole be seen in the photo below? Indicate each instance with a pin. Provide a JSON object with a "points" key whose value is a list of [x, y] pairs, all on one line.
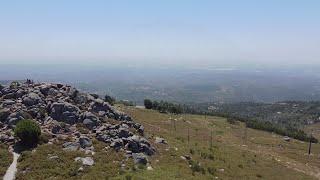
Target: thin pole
{"points": [[211, 139], [188, 135], [245, 134], [310, 147], [309, 152]]}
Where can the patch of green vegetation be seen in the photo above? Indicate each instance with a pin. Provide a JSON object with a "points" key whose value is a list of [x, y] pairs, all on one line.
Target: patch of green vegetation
{"points": [[39, 164], [163, 106], [50, 161], [28, 131]]}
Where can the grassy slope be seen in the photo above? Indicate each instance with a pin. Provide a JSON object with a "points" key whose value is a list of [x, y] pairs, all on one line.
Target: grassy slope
{"points": [[264, 156], [5, 160], [37, 165]]}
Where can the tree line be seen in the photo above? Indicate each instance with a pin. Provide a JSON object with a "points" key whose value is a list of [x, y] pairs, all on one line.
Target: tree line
{"points": [[164, 106], [272, 127], [175, 108]]}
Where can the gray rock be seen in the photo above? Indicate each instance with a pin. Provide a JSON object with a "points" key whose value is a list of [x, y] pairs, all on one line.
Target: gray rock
{"points": [[91, 116], [4, 138], [56, 129], [104, 138], [101, 113], [8, 102], [73, 92], [81, 98], [9, 96], [85, 142], [110, 115], [33, 112], [88, 123], [148, 150], [87, 161], [141, 130], [44, 88], [123, 132], [286, 138], [116, 144], [139, 158], [31, 99], [4, 114], [160, 141], [71, 146], [13, 121], [15, 117], [65, 112], [100, 105], [59, 85], [132, 145], [20, 93], [52, 92], [53, 157]]}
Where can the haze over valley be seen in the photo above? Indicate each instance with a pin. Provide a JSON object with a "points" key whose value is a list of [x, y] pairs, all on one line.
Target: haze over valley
{"points": [[168, 89]]}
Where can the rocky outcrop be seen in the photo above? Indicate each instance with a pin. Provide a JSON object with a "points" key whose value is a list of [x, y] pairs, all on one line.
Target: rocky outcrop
{"points": [[65, 112], [61, 110]]}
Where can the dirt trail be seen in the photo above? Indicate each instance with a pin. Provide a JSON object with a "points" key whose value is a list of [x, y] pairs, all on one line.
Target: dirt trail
{"points": [[11, 172]]}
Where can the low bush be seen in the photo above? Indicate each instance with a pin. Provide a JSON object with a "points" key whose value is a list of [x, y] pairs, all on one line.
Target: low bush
{"points": [[28, 131], [148, 104]]}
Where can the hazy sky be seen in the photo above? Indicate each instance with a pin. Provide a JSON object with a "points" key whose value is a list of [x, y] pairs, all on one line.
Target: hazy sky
{"points": [[195, 31]]}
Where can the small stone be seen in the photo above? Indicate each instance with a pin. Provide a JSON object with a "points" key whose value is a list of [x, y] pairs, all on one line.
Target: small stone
{"points": [[85, 142], [139, 158], [149, 168], [80, 169], [53, 157], [87, 161], [71, 146], [160, 141]]}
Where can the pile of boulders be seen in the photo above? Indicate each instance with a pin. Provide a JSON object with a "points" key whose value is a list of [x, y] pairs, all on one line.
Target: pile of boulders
{"points": [[61, 109]]}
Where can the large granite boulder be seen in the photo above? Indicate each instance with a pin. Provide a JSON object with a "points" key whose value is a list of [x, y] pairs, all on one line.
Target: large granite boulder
{"points": [[31, 99], [65, 112], [4, 114], [99, 105]]}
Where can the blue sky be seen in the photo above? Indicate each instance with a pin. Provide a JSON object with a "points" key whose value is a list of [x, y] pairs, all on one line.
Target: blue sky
{"points": [[172, 31]]}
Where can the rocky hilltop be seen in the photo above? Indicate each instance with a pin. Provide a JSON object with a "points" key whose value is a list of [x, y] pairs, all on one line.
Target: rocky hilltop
{"points": [[63, 112]]}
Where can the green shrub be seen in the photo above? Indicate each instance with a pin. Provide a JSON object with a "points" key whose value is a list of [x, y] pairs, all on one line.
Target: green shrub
{"points": [[148, 104], [28, 131]]}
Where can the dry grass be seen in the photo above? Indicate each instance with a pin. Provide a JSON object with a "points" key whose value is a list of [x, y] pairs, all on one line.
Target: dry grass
{"points": [[5, 160], [261, 156]]}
